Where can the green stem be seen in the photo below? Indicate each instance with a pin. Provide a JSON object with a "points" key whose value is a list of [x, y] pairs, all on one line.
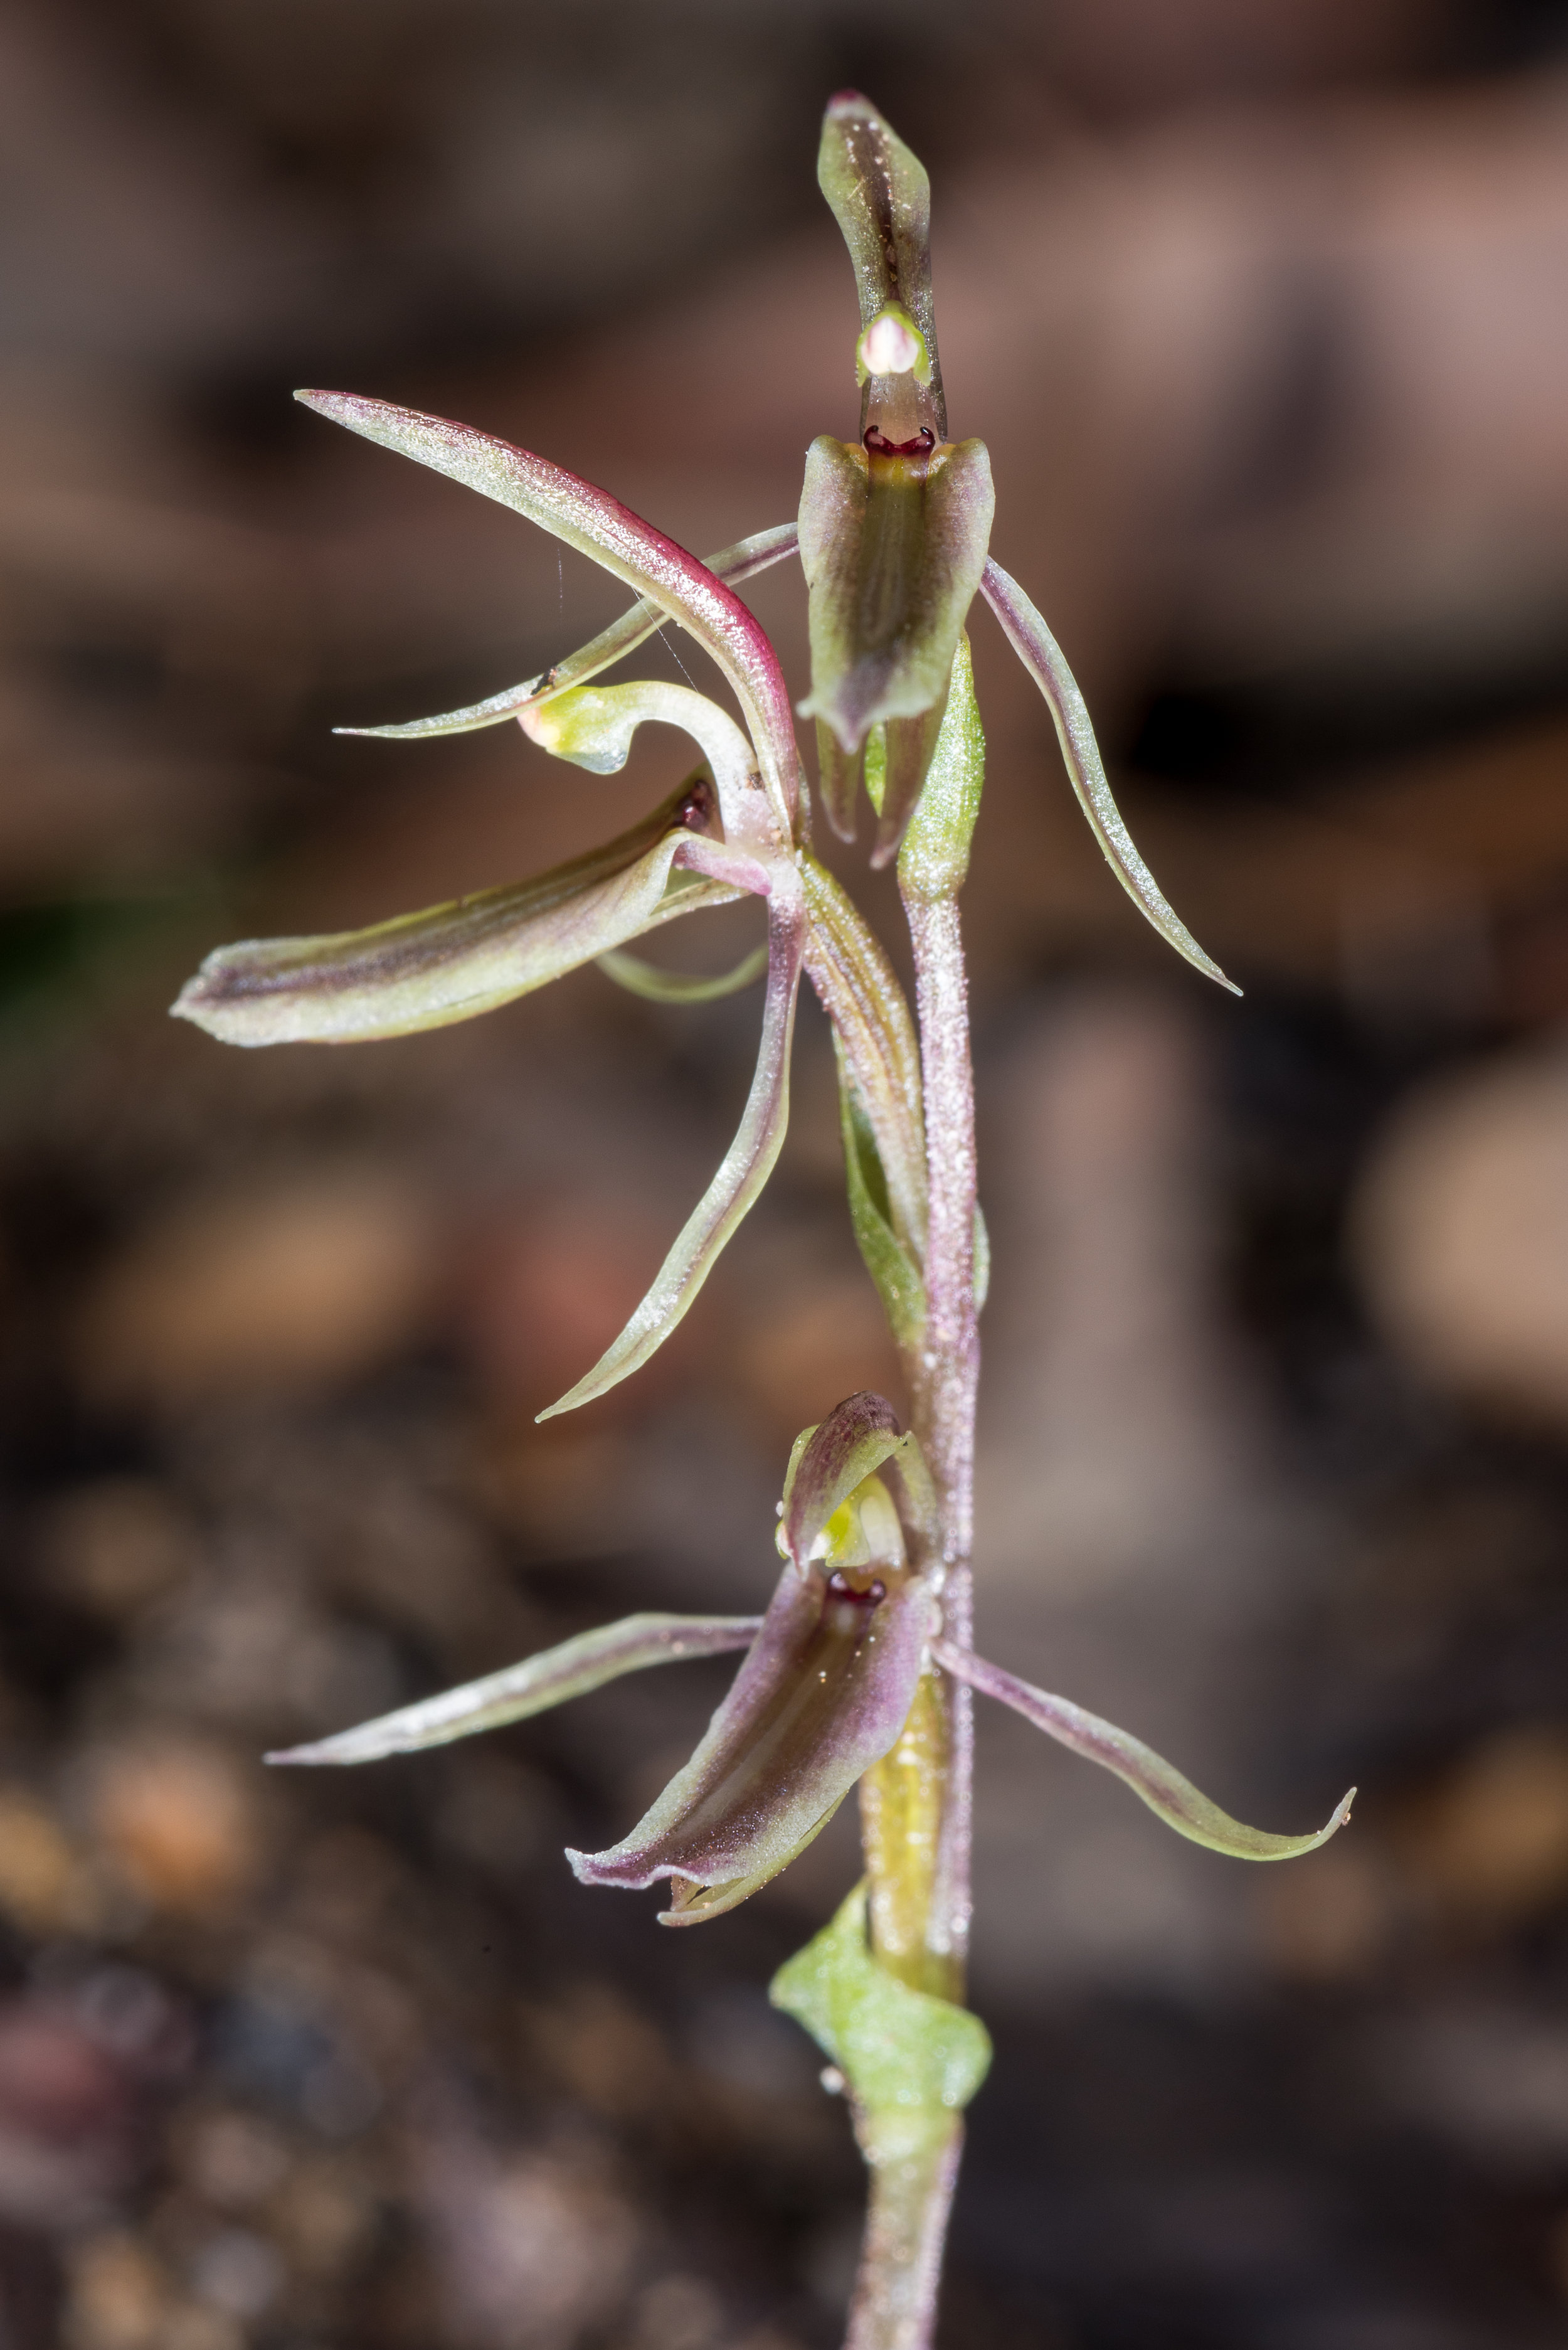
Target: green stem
{"points": [[912, 2179]]}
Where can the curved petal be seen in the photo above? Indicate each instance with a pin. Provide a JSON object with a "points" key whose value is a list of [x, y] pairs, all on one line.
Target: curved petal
{"points": [[1175, 1799], [747, 1165], [1041, 656], [450, 963], [647, 980], [552, 1677], [597, 523], [822, 1695], [731, 564]]}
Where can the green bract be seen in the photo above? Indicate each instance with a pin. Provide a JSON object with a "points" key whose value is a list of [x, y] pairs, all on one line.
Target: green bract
{"points": [[910, 2062]]}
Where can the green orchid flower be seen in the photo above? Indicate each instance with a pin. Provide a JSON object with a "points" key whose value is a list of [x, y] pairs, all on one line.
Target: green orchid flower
{"points": [[892, 533], [825, 1688]]}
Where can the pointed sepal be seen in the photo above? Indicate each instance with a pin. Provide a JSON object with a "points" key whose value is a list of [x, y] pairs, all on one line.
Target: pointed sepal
{"points": [[1174, 1799], [1037, 649], [589, 518], [451, 962], [745, 1168], [549, 1679], [731, 564]]}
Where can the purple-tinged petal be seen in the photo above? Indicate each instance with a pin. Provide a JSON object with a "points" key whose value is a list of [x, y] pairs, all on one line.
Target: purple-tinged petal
{"points": [[1175, 1799], [1041, 656], [552, 1677], [596, 523], [746, 1166], [731, 564], [451, 962], [822, 1695]]}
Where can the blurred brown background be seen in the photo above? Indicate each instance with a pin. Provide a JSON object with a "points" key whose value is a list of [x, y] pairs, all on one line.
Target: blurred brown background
{"points": [[1259, 305]]}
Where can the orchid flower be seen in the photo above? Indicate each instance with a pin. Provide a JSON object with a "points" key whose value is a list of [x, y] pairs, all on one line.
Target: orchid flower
{"points": [[892, 536], [861, 1671], [827, 1683]]}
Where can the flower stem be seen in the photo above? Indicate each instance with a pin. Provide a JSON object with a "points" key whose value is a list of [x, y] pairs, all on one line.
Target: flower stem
{"points": [[905, 2225], [916, 1805], [948, 1369]]}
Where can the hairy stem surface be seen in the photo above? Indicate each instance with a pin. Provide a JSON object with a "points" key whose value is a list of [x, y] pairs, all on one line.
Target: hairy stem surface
{"points": [[916, 1803]]}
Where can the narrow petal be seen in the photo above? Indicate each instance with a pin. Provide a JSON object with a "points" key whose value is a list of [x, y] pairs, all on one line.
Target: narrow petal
{"points": [[425, 970], [746, 1166], [1041, 656], [1175, 1800], [822, 1695], [494, 710], [859, 991], [645, 979], [881, 199], [538, 1682], [597, 523], [645, 618]]}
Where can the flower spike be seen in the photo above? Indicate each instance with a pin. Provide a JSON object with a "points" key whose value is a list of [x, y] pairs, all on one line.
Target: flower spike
{"points": [[1173, 1798], [598, 525], [426, 970]]}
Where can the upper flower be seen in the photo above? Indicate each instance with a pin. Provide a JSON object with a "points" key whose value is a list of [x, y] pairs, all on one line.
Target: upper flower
{"points": [[893, 535]]}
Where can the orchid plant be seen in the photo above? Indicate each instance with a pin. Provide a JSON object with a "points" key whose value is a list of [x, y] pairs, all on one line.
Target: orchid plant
{"points": [[861, 1671]]}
